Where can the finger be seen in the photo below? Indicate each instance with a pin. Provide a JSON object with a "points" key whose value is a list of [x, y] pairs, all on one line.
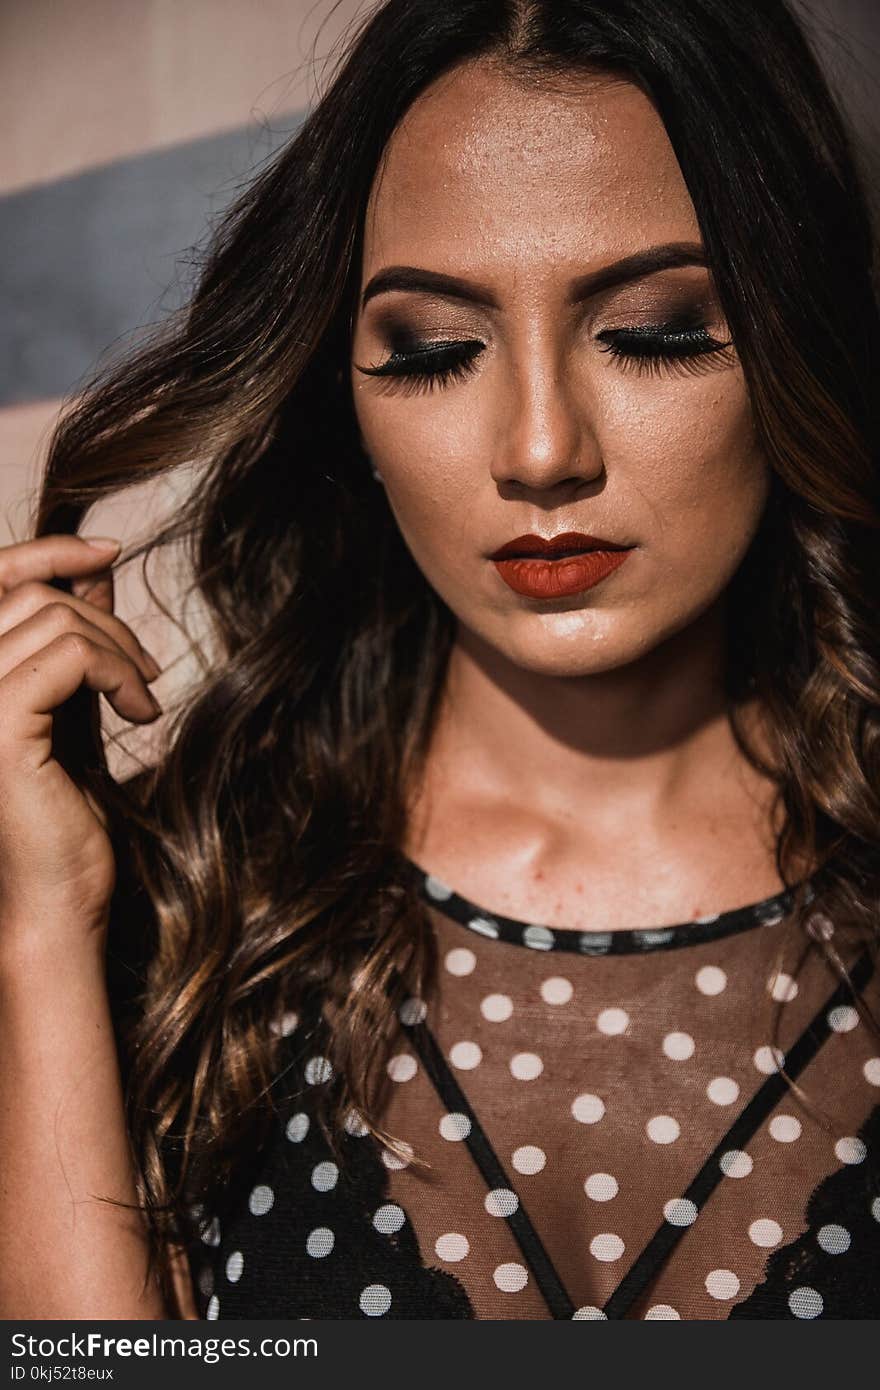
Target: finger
{"points": [[38, 685], [97, 589], [26, 641], [33, 597], [51, 557]]}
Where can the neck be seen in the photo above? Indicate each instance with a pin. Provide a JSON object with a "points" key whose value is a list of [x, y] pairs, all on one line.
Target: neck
{"points": [[634, 738]]}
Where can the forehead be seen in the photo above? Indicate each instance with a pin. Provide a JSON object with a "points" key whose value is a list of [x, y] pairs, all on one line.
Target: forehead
{"points": [[485, 167]]}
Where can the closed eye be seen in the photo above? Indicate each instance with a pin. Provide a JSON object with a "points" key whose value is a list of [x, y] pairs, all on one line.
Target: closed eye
{"points": [[427, 365], [666, 348], [645, 349]]}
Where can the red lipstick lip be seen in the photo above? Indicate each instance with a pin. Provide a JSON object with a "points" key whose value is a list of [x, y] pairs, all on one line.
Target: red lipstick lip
{"points": [[544, 547], [558, 567]]}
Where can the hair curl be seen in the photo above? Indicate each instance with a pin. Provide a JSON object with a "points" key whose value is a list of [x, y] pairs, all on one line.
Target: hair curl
{"points": [[259, 858]]}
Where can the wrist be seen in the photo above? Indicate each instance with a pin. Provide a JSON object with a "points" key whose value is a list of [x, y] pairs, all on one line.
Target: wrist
{"points": [[29, 952]]}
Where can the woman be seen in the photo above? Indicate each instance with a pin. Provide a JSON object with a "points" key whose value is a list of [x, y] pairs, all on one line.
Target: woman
{"points": [[495, 935]]}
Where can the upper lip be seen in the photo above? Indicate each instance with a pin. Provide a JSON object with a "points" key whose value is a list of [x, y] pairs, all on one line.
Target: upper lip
{"points": [[552, 545]]}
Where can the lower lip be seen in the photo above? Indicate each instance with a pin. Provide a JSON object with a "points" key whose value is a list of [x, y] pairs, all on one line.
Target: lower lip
{"points": [[540, 578]]}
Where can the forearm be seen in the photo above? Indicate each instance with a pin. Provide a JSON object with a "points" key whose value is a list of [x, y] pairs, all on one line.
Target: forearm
{"points": [[63, 1253]]}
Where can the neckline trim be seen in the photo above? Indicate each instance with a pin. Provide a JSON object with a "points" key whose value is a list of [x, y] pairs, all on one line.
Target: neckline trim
{"points": [[625, 941]]}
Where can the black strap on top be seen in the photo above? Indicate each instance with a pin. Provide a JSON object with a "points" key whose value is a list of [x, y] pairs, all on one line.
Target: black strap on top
{"points": [[658, 1249], [530, 1243]]}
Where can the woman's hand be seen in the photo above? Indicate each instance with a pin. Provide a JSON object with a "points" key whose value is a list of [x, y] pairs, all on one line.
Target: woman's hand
{"points": [[57, 869]]}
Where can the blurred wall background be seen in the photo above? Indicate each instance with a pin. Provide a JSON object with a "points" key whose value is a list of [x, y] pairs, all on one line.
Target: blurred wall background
{"points": [[129, 124]]}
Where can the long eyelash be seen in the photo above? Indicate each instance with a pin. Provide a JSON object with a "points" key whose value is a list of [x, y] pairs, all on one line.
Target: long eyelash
{"points": [[422, 369], [646, 351], [653, 352]]}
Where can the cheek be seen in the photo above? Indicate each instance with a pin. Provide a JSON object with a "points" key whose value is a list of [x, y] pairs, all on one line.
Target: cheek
{"points": [[429, 453], [685, 468]]}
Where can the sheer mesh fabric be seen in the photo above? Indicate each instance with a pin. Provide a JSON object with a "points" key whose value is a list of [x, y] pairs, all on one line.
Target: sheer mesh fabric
{"points": [[609, 1136]]}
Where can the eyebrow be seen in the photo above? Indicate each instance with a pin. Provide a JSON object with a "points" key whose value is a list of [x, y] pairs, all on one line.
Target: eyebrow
{"points": [[668, 256]]}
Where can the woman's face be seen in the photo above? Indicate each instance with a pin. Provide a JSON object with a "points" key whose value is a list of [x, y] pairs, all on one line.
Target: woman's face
{"points": [[528, 198]]}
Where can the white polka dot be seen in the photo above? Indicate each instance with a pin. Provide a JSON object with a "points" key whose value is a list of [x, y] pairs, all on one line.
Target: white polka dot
{"points": [[556, 990], [595, 943], [678, 1046], [497, 1008], [324, 1176], [871, 1070], [397, 1161], [211, 1233], [485, 926], [875, 1208], [261, 1199], [722, 1283], [529, 1159], [320, 1242], [805, 1302], [820, 927], [765, 1232], [539, 938], [589, 1313], [234, 1266], [354, 1124], [436, 888], [663, 1311], [465, 1055], [680, 1211], [402, 1067], [375, 1300], [206, 1280], [663, 1129], [388, 1218], [607, 1247], [510, 1278], [285, 1025], [318, 1070], [769, 1059], [460, 961], [587, 1109], [613, 1021], [843, 1019], [297, 1127], [452, 1246], [850, 1149], [722, 1090], [455, 1126], [834, 1240], [212, 1312], [601, 1187], [501, 1202], [525, 1066], [785, 1129], [710, 979], [782, 987], [412, 1011], [736, 1163]]}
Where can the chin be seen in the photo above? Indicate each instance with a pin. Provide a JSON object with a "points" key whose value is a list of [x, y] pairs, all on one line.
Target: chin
{"points": [[586, 641], [574, 643]]}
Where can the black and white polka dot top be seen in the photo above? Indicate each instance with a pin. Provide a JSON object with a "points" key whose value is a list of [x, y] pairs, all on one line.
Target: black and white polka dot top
{"points": [[612, 1131]]}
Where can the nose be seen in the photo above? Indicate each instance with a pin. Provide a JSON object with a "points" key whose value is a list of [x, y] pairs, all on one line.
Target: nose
{"points": [[546, 438]]}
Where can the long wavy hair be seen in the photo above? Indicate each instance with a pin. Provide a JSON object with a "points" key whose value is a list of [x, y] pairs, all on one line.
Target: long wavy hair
{"points": [[258, 858]]}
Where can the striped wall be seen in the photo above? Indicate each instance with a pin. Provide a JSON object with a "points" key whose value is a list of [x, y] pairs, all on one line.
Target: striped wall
{"points": [[126, 125]]}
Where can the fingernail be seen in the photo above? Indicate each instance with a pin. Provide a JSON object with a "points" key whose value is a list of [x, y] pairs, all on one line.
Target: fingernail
{"points": [[102, 542]]}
